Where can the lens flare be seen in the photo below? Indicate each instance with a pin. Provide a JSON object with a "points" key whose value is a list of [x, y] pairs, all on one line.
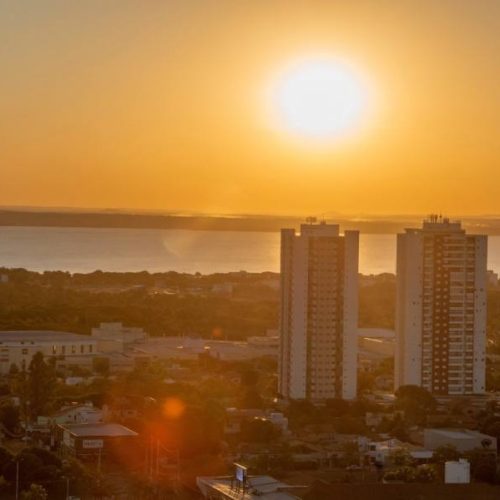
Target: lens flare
{"points": [[173, 408]]}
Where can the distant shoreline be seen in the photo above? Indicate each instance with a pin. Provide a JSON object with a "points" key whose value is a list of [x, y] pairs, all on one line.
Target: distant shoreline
{"points": [[18, 218]]}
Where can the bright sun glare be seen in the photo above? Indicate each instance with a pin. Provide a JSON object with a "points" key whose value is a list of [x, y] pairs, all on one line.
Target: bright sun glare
{"points": [[320, 99]]}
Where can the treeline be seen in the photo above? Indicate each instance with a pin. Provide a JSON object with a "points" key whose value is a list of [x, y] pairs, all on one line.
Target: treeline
{"points": [[144, 278], [77, 302], [24, 307]]}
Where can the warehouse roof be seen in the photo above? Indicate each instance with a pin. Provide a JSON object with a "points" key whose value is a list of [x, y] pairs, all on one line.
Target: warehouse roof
{"points": [[42, 336], [98, 430]]}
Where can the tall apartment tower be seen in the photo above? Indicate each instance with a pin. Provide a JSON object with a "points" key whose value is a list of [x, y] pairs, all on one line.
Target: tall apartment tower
{"points": [[319, 313], [441, 308]]}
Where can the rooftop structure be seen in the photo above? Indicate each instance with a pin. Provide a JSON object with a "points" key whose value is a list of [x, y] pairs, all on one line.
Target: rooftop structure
{"points": [[91, 439], [118, 332], [48, 336], [258, 487], [74, 414], [99, 429], [461, 439]]}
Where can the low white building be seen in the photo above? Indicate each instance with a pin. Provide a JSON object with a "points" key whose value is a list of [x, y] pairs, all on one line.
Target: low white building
{"points": [[74, 414], [256, 487], [191, 348], [235, 418], [119, 333], [461, 439], [457, 472], [381, 451], [19, 347]]}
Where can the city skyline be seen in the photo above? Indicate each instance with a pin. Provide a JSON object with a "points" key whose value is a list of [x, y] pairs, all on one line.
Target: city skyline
{"points": [[250, 249]]}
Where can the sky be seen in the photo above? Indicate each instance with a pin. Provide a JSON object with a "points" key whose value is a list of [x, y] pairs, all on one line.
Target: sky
{"points": [[167, 105]]}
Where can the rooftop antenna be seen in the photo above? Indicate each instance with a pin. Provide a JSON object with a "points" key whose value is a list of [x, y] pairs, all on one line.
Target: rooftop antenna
{"points": [[311, 220]]}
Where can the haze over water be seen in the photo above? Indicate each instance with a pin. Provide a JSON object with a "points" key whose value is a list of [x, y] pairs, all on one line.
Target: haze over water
{"points": [[88, 249]]}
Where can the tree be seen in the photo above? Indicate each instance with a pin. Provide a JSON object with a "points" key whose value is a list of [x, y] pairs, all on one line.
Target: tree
{"points": [[9, 417], [259, 431], [492, 428], [47, 457], [29, 468], [398, 429], [459, 405], [41, 384], [482, 465], [36, 492], [5, 457], [249, 378], [350, 425], [350, 453], [403, 473], [80, 477], [415, 401], [366, 382], [445, 453], [301, 412], [421, 474], [251, 399], [426, 473], [101, 366], [400, 457], [13, 370], [337, 407]]}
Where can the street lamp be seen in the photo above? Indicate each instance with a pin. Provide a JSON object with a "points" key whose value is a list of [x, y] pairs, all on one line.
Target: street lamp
{"points": [[67, 487]]}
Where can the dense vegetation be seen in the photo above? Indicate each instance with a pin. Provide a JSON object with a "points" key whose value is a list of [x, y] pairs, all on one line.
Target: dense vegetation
{"points": [[178, 304], [163, 304]]}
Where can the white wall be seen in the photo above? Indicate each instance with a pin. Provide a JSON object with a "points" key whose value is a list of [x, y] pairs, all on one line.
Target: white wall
{"points": [[409, 310]]}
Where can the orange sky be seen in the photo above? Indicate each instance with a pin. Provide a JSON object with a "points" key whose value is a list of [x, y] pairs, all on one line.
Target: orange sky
{"points": [[162, 105]]}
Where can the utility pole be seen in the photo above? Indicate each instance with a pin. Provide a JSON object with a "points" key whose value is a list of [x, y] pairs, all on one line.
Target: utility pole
{"points": [[151, 458], [17, 478], [99, 462], [99, 468], [157, 459], [67, 488]]}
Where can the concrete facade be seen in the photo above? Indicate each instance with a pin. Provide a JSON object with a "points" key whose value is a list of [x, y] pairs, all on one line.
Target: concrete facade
{"points": [[318, 313], [19, 347], [441, 309]]}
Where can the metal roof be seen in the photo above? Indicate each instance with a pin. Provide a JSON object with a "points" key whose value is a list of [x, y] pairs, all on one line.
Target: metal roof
{"points": [[98, 430], [42, 336]]}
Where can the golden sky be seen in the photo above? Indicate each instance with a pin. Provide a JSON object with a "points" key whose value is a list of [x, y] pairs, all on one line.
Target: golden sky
{"points": [[159, 104]]}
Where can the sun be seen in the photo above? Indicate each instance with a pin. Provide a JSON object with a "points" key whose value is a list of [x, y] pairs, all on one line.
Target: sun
{"points": [[320, 99]]}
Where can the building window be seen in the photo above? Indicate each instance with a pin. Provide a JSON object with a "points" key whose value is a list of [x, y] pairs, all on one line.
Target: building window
{"points": [[82, 348], [54, 349], [63, 349], [90, 348], [73, 349], [24, 351]]}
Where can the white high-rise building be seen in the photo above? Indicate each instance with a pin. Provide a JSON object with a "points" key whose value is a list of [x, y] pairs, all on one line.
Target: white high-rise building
{"points": [[319, 313], [441, 308]]}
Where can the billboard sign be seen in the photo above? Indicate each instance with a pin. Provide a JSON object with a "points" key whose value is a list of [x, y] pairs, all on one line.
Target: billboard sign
{"points": [[240, 473]]}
